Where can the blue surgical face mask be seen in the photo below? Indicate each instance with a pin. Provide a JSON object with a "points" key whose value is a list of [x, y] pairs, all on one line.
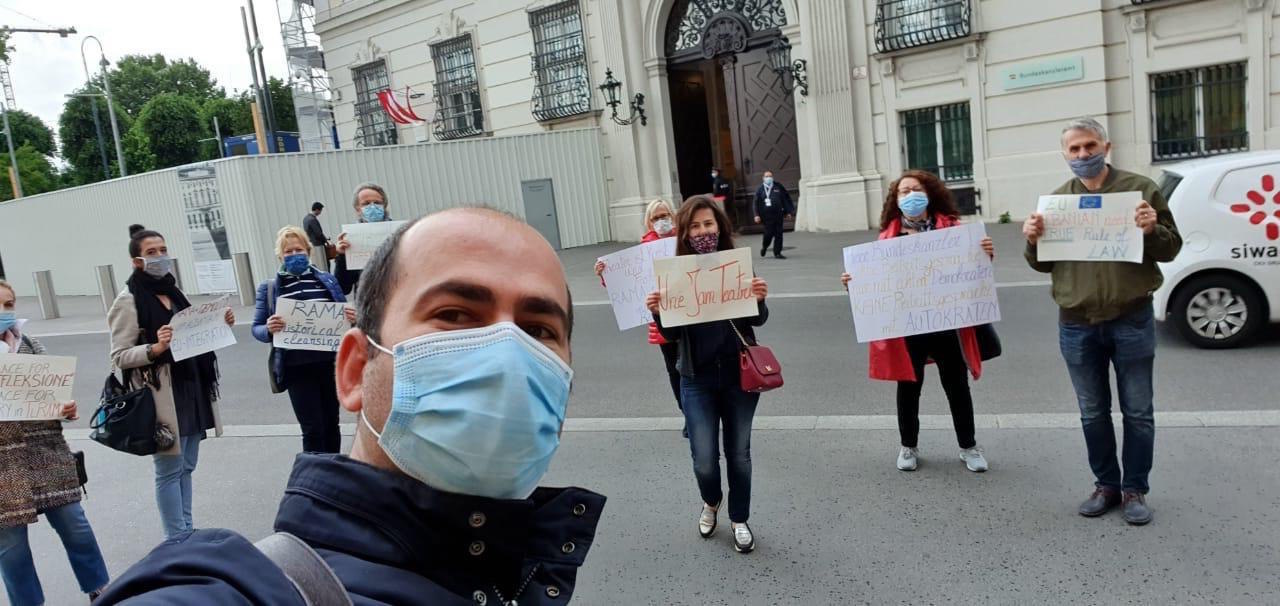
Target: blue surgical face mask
{"points": [[157, 267], [1090, 167], [768, 181], [475, 411], [7, 320], [914, 204], [373, 213], [297, 263]]}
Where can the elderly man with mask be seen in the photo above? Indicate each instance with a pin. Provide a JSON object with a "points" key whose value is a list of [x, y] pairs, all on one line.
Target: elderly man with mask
{"points": [[459, 373], [1105, 320]]}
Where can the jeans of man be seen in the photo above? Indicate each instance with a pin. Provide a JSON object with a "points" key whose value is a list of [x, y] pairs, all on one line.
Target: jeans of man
{"points": [[712, 398], [19, 570], [1128, 344], [173, 486]]}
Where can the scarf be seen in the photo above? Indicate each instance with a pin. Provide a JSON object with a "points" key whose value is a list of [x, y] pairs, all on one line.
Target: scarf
{"points": [[152, 315], [920, 226]]}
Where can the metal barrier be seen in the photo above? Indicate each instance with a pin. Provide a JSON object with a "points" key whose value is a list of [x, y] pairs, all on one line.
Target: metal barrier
{"points": [[45, 293], [106, 285], [244, 278]]}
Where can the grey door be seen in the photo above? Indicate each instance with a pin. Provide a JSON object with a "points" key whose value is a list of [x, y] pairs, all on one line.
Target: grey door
{"points": [[540, 209]]}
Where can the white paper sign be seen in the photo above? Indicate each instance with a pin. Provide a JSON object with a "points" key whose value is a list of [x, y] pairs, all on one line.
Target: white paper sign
{"points": [[1090, 228], [200, 329], [705, 288], [34, 388], [215, 276], [310, 325], [929, 282], [365, 238], [629, 277]]}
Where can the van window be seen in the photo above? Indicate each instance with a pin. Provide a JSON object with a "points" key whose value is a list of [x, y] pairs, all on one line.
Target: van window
{"points": [[1169, 182]]}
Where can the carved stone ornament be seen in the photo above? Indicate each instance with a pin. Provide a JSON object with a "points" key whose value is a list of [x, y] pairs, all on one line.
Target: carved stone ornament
{"points": [[450, 25], [1138, 22], [366, 53], [725, 35]]}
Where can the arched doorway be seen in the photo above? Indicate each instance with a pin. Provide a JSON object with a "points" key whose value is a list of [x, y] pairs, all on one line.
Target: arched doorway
{"points": [[728, 108]]}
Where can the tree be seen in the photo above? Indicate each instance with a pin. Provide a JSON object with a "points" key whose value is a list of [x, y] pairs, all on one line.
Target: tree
{"points": [[27, 128], [137, 150], [138, 79], [80, 140], [234, 115], [171, 123], [38, 175], [282, 104]]}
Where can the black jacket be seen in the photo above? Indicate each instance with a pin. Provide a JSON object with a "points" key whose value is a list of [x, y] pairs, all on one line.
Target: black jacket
{"points": [[389, 538], [700, 346], [781, 202], [315, 232], [720, 187]]}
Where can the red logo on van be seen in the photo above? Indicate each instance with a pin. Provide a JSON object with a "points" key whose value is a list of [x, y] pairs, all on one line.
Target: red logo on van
{"points": [[1257, 212]]}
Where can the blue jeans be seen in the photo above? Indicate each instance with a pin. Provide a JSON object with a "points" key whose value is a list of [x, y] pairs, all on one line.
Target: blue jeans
{"points": [[710, 399], [1127, 343], [173, 486], [19, 571]]}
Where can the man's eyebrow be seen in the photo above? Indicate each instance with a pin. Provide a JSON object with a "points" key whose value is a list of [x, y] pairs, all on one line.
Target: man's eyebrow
{"points": [[458, 288], [544, 306]]}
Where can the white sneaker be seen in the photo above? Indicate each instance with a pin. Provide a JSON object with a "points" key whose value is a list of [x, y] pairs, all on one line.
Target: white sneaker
{"points": [[707, 520], [908, 459], [743, 540], [973, 459]]}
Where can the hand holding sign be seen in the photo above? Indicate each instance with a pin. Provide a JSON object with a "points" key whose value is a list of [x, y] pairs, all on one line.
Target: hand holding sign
{"points": [[1105, 227], [628, 276], [694, 289], [310, 325], [36, 388], [200, 329], [363, 239]]}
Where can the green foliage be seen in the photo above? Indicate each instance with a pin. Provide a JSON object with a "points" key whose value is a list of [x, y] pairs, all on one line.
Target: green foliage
{"points": [[38, 175], [1006, 217], [28, 129], [137, 150], [282, 105], [80, 143], [137, 79], [234, 115], [171, 123]]}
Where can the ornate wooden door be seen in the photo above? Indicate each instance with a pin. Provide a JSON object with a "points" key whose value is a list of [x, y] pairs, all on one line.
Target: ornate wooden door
{"points": [[764, 122]]}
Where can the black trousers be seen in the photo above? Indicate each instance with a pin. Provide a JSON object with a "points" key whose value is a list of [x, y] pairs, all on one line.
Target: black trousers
{"points": [[772, 233], [670, 353], [944, 348], [314, 396]]}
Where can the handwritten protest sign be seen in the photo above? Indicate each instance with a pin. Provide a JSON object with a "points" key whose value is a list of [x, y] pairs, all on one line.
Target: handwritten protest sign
{"points": [[628, 275], [311, 325], [34, 388], [200, 329], [365, 238], [1090, 228], [937, 280], [705, 288]]}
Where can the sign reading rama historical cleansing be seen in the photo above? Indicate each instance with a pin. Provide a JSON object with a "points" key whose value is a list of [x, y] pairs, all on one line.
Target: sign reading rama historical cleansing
{"points": [[1090, 228], [311, 325], [923, 283], [705, 288]]}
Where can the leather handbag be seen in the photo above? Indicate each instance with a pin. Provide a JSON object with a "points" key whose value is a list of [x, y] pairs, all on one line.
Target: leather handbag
{"points": [[988, 341], [82, 475], [126, 420], [330, 251], [758, 367]]}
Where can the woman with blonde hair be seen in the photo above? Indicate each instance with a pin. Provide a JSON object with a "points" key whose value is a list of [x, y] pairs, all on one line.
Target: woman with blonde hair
{"points": [[658, 224], [306, 375]]}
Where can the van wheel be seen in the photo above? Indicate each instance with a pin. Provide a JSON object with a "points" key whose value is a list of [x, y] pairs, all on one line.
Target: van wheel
{"points": [[1218, 311]]}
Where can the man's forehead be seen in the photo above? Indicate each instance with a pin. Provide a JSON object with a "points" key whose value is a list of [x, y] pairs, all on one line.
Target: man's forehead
{"points": [[481, 247]]}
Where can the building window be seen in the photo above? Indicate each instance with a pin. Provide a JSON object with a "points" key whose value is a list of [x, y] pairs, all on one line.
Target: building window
{"points": [[939, 140], [906, 23], [559, 62], [1199, 112], [373, 126], [457, 89]]}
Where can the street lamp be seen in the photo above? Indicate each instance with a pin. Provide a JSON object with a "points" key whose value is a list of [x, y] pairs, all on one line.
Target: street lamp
{"points": [[794, 74], [610, 89], [111, 109]]}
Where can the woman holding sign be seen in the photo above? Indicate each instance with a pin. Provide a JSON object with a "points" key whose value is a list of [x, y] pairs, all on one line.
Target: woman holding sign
{"points": [[38, 476], [185, 392], [919, 202], [710, 381], [658, 224], [307, 375]]}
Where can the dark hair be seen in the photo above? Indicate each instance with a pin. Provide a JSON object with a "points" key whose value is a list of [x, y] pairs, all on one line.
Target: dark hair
{"points": [[941, 202], [138, 233], [316, 206], [378, 279], [685, 216]]}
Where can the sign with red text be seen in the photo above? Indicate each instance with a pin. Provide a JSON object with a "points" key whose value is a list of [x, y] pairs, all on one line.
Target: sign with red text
{"points": [[705, 288], [1090, 227], [923, 283], [628, 275], [34, 388]]}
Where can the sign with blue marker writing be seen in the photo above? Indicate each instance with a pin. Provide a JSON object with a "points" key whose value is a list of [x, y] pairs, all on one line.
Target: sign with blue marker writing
{"points": [[1093, 227]]}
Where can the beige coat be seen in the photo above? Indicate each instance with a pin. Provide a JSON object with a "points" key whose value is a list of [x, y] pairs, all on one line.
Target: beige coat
{"points": [[127, 353]]}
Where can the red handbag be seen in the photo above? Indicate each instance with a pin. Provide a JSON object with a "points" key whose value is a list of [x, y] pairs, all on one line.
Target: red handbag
{"points": [[759, 369]]}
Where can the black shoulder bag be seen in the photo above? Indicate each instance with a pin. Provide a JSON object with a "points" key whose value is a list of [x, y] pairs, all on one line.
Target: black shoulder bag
{"points": [[126, 420]]}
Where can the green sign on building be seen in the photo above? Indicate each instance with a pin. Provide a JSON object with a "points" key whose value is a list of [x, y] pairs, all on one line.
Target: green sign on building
{"points": [[1026, 75]]}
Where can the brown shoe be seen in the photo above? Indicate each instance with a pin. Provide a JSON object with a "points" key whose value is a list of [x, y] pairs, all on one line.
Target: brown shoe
{"points": [[1101, 501]]}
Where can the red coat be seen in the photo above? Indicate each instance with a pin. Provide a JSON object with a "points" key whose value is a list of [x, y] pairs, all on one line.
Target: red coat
{"points": [[655, 337], [889, 360]]}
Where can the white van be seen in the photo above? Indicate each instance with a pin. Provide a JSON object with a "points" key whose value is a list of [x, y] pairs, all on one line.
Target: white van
{"points": [[1224, 286]]}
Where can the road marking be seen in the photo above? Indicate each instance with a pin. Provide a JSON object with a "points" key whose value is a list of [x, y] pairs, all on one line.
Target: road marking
{"points": [[1164, 420], [826, 293]]}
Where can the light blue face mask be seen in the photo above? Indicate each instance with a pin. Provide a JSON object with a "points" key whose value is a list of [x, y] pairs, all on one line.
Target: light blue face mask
{"points": [[7, 320], [768, 181], [373, 213], [475, 411], [157, 267], [914, 204]]}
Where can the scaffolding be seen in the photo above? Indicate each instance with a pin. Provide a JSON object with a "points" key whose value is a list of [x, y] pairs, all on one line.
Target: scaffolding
{"points": [[7, 84], [312, 95]]}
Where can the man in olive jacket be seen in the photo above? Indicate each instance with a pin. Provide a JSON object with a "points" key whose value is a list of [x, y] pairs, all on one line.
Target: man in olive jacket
{"points": [[1105, 319]]}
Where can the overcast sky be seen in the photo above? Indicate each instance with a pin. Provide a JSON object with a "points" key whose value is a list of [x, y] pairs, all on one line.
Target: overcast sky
{"points": [[45, 67]]}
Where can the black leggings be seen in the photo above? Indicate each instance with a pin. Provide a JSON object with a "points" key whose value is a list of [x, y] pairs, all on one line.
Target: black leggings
{"points": [[944, 348], [670, 353], [315, 402]]}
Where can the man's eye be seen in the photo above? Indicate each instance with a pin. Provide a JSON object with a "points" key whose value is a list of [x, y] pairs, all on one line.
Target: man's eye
{"points": [[540, 332], [454, 316]]}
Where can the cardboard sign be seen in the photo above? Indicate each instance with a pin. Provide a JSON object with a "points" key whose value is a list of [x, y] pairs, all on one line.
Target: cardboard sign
{"points": [[365, 238], [1090, 228], [929, 282], [628, 275], [706, 288], [34, 388], [200, 329], [310, 325]]}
